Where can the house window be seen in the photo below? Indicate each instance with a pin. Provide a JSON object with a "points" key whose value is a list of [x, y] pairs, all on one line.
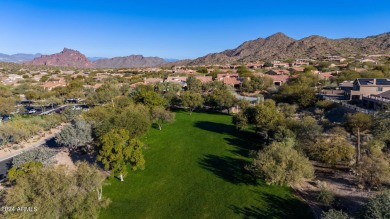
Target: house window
{"points": [[379, 89]]}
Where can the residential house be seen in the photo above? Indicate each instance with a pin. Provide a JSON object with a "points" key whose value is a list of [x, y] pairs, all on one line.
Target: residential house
{"points": [[367, 60], [204, 79], [299, 63], [220, 77], [334, 59], [375, 101], [325, 75], [180, 80], [278, 72], [278, 64], [153, 80], [255, 65], [278, 80], [364, 87], [296, 69]]}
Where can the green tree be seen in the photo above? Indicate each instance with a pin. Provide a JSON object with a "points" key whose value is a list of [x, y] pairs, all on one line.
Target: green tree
{"points": [[7, 105], [281, 165], [243, 71], [256, 83], [150, 99], [202, 70], [135, 118], [160, 115], [374, 170], [266, 117], [191, 100], [222, 98], [332, 149], [104, 94], [194, 84], [378, 207], [18, 171], [288, 110], [117, 150], [381, 128], [240, 121], [307, 130], [57, 192], [299, 93]]}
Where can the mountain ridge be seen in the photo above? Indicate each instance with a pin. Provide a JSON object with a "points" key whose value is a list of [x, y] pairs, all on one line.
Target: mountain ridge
{"points": [[18, 57], [280, 46]]}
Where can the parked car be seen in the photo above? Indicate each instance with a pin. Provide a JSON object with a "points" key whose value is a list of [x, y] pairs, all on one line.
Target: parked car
{"points": [[6, 118], [77, 108], [31, 111]]}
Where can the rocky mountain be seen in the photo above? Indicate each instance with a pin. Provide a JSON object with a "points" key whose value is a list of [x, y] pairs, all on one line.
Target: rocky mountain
{"points": [[18, 58], [73, 58], [131, 61], [279, 47], [68, 57]]}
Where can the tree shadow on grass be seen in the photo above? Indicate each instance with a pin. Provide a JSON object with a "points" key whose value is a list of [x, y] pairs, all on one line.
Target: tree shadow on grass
{"points": [[229, 169], [274, 207], [242, 141]]}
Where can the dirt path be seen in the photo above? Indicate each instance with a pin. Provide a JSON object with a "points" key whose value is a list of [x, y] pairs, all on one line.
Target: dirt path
{"points": [[342, 183], [36, 141]]}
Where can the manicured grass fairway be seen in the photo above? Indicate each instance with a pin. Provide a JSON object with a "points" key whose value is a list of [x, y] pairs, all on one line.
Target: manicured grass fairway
{"points": [[194, 169]]}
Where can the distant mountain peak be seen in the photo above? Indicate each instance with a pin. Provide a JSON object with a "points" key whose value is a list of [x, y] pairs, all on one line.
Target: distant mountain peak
{"points": [[67, 57], [279, 36], [131, 61]]}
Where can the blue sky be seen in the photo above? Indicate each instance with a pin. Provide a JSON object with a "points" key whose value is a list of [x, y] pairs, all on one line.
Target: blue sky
{"points": [[177, 29]]}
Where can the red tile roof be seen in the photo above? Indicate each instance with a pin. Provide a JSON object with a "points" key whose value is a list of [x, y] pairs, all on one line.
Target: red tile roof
{"points": [[204, 79], [231, 81]]}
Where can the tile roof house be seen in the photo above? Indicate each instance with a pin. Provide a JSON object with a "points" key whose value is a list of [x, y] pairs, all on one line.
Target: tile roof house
{"points": [[325, 75], [280, 64], [278, 72], [204, 79], [180, 80], [278, 79], [300, 63], [222, 76], [254, 65], [231, 81], [296, 69]]}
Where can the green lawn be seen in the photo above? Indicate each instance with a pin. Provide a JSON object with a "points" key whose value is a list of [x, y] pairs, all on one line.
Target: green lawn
{"points": [[194, 169]]}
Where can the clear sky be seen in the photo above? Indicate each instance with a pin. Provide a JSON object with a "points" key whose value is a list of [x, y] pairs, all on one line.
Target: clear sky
{"points": [[177, 28]]}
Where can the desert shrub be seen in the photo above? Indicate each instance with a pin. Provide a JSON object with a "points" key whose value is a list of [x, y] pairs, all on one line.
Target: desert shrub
{"points": [[40, 154], [325, 196], [334, 214], [281, 164]]}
